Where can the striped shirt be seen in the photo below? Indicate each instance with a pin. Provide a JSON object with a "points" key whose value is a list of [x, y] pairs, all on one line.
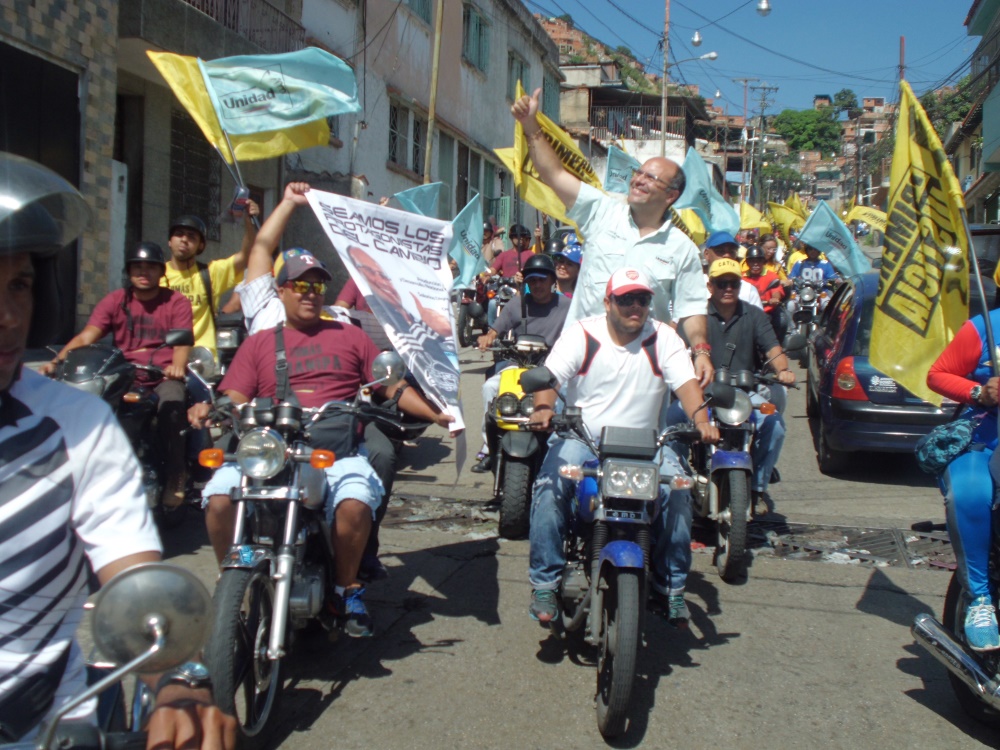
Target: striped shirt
{"points": [[70, 493]]}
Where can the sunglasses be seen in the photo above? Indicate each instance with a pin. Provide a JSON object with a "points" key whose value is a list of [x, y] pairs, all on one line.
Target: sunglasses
{"points": [[728, 283], [659, 180], [642, 299], [305, 287]]}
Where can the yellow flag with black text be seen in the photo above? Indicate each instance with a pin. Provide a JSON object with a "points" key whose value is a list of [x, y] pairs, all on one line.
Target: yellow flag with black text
{"points": [[923, 290], [871, 216]]}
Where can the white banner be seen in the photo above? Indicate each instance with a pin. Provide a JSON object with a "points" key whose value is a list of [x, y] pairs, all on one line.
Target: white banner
{"points": [[399, 261]]}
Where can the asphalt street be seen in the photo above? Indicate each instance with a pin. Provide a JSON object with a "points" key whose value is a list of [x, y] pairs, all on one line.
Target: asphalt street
{"points": [[803, 654]]}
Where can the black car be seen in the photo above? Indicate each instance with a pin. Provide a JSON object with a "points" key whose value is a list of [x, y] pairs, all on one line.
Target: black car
{"points": [[856, 407]]}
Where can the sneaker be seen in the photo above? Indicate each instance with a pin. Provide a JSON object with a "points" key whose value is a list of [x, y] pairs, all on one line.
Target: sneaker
{"points": [[483, 463], [351, 612], [543, 605], [981, 625], [760, 506], [677, 611]]}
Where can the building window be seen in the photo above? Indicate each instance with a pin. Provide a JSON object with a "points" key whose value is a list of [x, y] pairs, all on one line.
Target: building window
{"points": [[421, 7], [195, 184], [407, 138], [565, 49], [517, 70], [419, 144], [550, 97], [334, 124], [475, 38]]}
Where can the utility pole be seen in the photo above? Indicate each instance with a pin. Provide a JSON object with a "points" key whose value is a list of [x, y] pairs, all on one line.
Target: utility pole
{"points": [[743, 169], [432, 111], [759, 149], [663, 88]]}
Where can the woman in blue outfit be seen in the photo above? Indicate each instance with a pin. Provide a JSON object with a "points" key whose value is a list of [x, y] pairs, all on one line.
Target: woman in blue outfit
{"points": [[963, 373]]}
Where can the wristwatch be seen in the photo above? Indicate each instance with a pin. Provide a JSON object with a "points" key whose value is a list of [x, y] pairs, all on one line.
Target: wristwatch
{"points": [[192, 674], [975, 393]]}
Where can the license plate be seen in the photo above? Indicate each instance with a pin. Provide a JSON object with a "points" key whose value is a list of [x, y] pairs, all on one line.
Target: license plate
{"points": [[625, 515]]}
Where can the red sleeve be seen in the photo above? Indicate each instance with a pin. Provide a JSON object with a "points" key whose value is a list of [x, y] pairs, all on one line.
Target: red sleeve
{"points": [[949, 375], [103, 315], [349, 293], [242, 373], [497, 262]]}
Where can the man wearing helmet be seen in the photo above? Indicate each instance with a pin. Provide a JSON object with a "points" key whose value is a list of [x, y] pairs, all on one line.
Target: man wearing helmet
{"points": [[205, 283], [72, 491], [139, 317], [545, 315]]}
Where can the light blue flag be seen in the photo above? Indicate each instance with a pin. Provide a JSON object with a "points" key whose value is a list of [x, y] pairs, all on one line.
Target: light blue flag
{"points": [[715, 212], [260, 93], [824, 230], [618, 172], [467, 243], [423, 199]]}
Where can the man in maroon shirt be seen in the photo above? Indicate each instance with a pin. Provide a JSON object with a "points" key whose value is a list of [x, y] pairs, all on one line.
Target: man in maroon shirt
{"points": [[138, 318], [509, 263], [327, 361]]}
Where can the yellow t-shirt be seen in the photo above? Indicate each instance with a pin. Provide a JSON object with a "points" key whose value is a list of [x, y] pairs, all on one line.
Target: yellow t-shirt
{"points": [[222, 274]]}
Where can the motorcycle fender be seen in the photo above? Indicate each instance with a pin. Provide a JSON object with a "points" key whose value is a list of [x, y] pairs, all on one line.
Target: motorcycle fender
{"points": [[247, 556], [722, 460], [586, 494], [520, 444], [622, 554]]}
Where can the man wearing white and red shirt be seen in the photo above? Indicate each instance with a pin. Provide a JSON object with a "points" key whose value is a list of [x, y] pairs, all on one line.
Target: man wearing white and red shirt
{"points": [[617, 368], [138, 318]]}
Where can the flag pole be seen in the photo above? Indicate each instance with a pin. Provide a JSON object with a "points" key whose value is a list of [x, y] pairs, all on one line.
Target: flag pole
{"points": [[239, 175]]}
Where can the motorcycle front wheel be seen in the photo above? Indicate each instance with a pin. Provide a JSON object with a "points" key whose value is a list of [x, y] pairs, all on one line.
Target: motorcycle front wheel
{"points": [[731, 548], [954, 622], [246, 684], [464, 326], [515, 504], [618, 649]]}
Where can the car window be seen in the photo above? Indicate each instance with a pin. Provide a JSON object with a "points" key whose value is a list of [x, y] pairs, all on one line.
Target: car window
{"points": [[863, 339], [832, 315]]}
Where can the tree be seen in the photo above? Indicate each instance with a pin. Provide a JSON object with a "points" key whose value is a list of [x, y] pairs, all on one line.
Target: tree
{"points": [[846, 100], [949, 105], [809, 129], [567, 18], [625, 51]]}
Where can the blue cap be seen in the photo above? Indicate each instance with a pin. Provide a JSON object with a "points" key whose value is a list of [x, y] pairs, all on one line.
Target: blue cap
{"points": [[720, 238], [572, 252]]}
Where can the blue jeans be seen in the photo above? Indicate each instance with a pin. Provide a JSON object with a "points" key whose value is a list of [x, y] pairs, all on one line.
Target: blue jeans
{"points": [[552, 506], [766, 448]]}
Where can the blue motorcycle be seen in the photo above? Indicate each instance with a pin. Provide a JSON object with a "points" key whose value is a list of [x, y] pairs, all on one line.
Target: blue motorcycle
{"points": [[603, 591]]}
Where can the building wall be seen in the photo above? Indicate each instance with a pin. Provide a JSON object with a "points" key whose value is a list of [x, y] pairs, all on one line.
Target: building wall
{"points": [[80, 37]]}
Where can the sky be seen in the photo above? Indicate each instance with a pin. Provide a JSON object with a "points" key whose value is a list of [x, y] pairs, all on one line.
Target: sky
{"points": [[828, 45]]}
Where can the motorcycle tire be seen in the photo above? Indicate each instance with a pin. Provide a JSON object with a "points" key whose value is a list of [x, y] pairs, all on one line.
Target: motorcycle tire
{"points": [[515, 502], [953, 620], [731, 548], [246, 684], [618, 649], [464, 326]]}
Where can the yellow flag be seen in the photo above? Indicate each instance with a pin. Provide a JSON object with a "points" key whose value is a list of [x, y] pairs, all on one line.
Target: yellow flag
{"points": [[694, 225], [848, 208], [867, 214], [923, 289], [794, 203], [533, 191], [185, 79], [785, 218], [751, 218]]}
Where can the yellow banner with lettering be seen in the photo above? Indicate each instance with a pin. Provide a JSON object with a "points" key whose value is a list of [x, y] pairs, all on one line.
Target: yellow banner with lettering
{"points": [[923, 290], [871, 216]]}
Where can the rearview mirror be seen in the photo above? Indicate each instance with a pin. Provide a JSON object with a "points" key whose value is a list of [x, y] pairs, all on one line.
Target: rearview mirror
{"points": [[179, 337], [388, 368], [721, 395]]}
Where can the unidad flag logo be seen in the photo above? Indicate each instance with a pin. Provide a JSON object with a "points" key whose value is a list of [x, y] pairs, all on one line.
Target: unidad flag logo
{"points": [[871, 216], [700, 195], [824, 230], [618, 173], [923, 294]]}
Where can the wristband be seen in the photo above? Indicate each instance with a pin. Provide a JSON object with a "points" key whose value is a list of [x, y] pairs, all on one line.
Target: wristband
{"points": [[702, 351], [702, 347]]}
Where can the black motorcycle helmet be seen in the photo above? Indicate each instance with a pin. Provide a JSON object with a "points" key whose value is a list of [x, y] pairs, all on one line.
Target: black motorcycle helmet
{"points": [[539, 262], [189, 221], [518, 230], [555, 245], [755, 252], [149, 252], [487, 228], [40, 214]]}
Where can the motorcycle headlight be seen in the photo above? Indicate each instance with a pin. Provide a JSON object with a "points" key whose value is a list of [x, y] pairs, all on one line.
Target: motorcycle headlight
{"points": [[638, 481], [227, 338], [527, 405], [736, 414], [261, 453], [94, 385], [808, 295], [507, 405]]}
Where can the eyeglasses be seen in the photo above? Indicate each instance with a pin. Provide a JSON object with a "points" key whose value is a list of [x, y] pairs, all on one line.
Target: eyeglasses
{"points": [[642, 299], [305, 287], [728, 283], [663, 183]]}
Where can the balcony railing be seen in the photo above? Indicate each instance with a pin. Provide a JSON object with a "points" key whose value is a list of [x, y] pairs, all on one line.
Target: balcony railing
{"points": [[635, 123], [257, 20]]}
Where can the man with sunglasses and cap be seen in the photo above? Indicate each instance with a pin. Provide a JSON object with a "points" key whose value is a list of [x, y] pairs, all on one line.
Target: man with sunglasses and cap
{"points": [[73, 498], [639, 234], [617, 367], [139, 317], [723, 245]]}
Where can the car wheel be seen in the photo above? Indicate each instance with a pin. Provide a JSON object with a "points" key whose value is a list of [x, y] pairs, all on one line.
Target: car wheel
{"points": [[830, 461]]}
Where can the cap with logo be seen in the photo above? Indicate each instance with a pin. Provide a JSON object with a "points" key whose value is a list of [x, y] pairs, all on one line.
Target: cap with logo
{"points": [[295, 262], [724, 267], [626, 280]]}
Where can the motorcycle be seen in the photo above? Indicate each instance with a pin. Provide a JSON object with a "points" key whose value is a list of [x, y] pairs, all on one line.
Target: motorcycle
{"points": [[277, 576], [230, 332], [604, 585], [103, 371], [810, 298], [149, 618], [518, 451], [502, 289], [471, 313], [722, 487]]}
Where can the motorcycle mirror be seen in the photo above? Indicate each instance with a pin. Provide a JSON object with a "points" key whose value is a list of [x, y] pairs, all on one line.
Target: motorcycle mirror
{"points": [[179, 337], [201, 362], [388, 368], [795, 344], [721, 395], [537, 379], [126, 606]]}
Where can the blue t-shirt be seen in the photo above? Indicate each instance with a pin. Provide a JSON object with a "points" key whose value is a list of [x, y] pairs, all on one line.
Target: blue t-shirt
{"points": [[813, 270]]}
